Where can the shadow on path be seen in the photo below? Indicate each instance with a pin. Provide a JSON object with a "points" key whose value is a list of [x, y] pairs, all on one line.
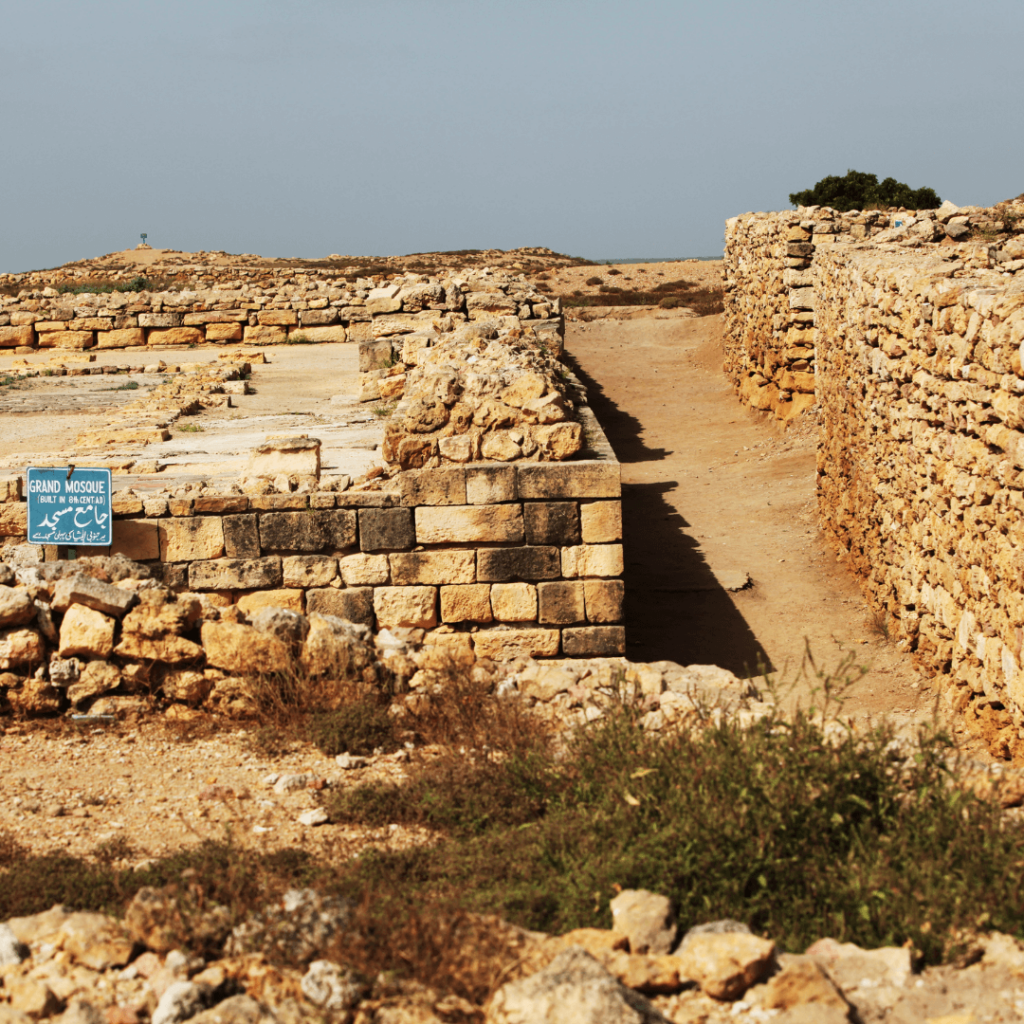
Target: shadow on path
{"points": [[676, 610]]}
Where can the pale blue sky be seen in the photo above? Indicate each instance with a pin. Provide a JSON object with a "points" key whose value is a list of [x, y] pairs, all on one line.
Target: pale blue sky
{"points": [[602, 129]]}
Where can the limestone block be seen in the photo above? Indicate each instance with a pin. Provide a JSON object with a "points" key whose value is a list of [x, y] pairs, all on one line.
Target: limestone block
{"points": [[16, 337], [514, 602], [505, 565], [14, 519], [97, 678], [558, 441], [335, 333], [364, 570], [215, 316], [506, 644], [552, 522], [220, 503], [309, 570], [277, 317], [399, 323], [187, 685], [288, 598], [184, 540], [75, 340], [561, 603], [241, 536], [16, 607], [601, 522], [86, 633], [242, 650], [468, 603], [647, 919], [576, 480], [405, 606], [592, 560], [594, 641], [726, 964], [464, 524], [223, 332], [174, 336], [160, 319], [311, 530], [387, 529], [604, 600], [445, 485], [126, 337], [168, 648], [489, 485], [433, 567], [353, 604], [93, 593], [20, 648], [491, 302], [460, 448], [320, 318], [264, 335], [500, 446], [286, 455], [235, 574]]}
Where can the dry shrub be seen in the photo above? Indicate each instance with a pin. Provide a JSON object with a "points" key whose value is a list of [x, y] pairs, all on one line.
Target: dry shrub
{"points": [[447, 949]]}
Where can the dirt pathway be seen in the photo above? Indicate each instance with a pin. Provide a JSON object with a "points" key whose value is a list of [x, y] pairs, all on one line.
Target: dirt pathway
{"points": [[714, 494]]}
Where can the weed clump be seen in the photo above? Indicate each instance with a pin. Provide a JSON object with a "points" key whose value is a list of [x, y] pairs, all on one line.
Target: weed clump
{"points": [[360, 728]]}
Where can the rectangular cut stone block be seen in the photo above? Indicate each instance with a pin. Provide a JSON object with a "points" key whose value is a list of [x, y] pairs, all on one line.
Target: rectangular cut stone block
{"points": [[433, 567], [592, 560], [470, 603], [514, 602], [311, 530], [265, 502], [277, 317], [353, 604], [291, 599], [184, 540], [552, 522], [160, 319], [309, 570], [561, 604], [67, 339], [569, 480], [215, 316], [17, 337], [593, 641], [405, 606], [180, 506], [468, 524], [265, 335], [386, 529], [445, 485], [221, 503], [235, 574], [174, 336], [223, 332], [318, 317], [125, 504], [128, 337], [604, 600], [365, 570], [506, 644], [601, 522], [299, 455], [335, 333], [137, 539], [489, 485], [241, 536], [504, 565], [89, 323]]}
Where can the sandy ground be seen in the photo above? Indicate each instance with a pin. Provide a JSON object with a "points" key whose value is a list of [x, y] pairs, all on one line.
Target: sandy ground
{"points": [[714, 494]]}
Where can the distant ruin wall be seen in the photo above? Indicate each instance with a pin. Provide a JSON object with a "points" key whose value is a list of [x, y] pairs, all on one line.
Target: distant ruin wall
{"points": [[314, 309], [917, 372]]}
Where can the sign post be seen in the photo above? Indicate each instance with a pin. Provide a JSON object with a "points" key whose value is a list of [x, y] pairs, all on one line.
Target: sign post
{"points": [[69, 505]]}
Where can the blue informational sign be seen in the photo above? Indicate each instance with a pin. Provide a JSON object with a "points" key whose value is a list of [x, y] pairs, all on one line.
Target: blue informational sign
{"points": [[69, 505]]}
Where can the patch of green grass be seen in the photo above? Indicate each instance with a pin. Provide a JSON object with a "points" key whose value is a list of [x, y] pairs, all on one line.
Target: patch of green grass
{"points": [[384, 409], [300, 339], [128, 385], [190, 428]]}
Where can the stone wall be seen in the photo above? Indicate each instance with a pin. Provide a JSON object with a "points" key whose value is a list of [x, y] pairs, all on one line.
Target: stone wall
{"points": [[524, 560], [917, 372], [265, 307], [770, 266]]}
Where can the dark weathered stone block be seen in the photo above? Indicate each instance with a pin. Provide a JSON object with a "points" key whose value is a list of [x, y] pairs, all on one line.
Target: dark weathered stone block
{"points": [[241, 536], [503, 565], [562, 603], [552, 522], [386, 529], [354, 604]]}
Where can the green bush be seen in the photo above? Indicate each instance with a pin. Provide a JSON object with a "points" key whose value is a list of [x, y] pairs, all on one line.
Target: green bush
{"points": [[858, 190]]}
